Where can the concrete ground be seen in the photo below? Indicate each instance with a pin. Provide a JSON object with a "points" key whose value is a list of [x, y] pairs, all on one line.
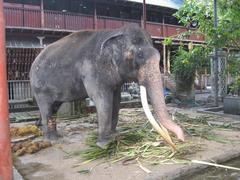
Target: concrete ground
{"points": [[58, 163], [16, 174]]}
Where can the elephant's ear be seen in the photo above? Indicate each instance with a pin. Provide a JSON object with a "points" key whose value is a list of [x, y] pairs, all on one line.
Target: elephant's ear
{"points": [[109, 37]]}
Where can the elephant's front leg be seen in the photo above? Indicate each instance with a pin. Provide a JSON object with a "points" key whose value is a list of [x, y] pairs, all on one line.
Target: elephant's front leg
{"points": [[116, 107], [103, 103]]}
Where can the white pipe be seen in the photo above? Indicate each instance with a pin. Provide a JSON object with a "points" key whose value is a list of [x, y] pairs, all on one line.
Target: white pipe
{"points": [[161, 130]]}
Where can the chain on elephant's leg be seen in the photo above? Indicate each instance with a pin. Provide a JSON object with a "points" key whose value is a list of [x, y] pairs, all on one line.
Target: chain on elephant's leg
{"points": [[52, 129]]}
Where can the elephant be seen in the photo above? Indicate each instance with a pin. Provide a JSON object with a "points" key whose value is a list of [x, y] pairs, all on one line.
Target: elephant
{"points": [[95, 64]]}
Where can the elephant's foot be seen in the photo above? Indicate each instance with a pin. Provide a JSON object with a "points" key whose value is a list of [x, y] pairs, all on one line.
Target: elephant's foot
{"points": [[52, 135], [103, 144], [51, 132], [114, 133]]}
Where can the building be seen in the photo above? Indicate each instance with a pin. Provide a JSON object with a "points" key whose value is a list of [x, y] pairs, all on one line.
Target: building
{"points": [[33, 24]]}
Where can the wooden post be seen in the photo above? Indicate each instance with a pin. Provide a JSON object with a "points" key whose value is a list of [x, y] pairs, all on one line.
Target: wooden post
{"points": [[95, 15], [144, 14], [168, 61], [164, 59], [23, 13], [5, 146], [205, 77], [163, 27], [228, 74], [42, 14]]}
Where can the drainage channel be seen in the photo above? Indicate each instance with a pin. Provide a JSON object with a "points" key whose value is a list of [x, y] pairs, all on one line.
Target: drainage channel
{"points": [[218, 173]]}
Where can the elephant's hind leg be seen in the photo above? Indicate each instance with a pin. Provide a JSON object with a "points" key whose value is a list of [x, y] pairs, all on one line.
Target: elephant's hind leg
{"points": [[47, 109]]}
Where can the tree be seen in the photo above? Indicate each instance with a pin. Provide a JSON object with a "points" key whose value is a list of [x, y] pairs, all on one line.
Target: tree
{"points": [[200, 13], [226, 35]]}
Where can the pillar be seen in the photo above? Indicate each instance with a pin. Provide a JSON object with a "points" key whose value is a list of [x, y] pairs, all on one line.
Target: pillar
{"points": [[164, 59], [5, 146], [168, 61], [144, 14], [95, 16], [42, 14]]}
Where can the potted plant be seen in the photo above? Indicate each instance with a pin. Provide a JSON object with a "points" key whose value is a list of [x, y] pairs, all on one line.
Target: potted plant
{"points": [[185, 64], [184, 72]]}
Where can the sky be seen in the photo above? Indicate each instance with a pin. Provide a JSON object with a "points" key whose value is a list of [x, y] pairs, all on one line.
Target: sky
{"points": [[175, 4]]}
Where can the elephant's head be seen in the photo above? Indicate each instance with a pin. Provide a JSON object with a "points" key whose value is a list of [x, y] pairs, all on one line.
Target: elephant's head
{"points": [[140, 61]]}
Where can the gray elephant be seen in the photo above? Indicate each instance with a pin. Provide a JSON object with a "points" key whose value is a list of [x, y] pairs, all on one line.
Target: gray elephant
{"points": [[95, 64]]}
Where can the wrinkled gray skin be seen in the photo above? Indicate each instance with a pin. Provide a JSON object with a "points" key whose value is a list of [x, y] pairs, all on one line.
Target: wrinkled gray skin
{"points": [[95, 64]]}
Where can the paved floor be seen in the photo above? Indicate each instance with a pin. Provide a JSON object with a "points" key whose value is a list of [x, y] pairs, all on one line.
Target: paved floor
{"points": [[16, 175], [24, 116]]}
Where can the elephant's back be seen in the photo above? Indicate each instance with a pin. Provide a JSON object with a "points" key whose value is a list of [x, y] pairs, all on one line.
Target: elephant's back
{"points": [[57, 61], [65, 49]]}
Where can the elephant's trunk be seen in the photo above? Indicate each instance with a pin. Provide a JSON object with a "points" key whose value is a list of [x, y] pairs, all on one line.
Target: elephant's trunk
{"points": [[150, 77]]}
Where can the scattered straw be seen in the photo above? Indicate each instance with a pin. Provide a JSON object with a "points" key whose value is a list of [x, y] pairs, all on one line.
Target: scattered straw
{"points": [[24, 131], [137, 142], [142, 167]]}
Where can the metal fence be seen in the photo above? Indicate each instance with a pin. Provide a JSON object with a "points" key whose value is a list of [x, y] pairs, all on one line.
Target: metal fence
{"points": [[19, 90], [125, 86], [20, 96]]}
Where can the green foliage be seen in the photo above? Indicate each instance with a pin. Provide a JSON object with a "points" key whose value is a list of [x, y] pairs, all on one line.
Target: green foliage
{"points": [[167, 41], [227, 33], [201, 12], [187, 62], [184, 67], [229, 22], [136, 142]]}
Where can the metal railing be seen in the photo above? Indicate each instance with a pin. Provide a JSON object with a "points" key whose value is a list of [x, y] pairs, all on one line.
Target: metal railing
{"points": [[67, 20], [19, 90], [22, 17], [125, 86], [20, 96]]}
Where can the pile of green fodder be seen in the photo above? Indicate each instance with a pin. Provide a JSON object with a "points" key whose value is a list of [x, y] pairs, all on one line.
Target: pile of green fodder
{"points": [[136, 141], [139, 141], [199, 127]]}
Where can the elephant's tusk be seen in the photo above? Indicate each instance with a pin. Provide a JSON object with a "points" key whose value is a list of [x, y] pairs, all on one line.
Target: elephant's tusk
{"points": [[160, 129]]}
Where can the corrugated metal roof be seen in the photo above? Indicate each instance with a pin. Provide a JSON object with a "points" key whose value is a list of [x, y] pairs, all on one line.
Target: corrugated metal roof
{"points": [[174, 4]]}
